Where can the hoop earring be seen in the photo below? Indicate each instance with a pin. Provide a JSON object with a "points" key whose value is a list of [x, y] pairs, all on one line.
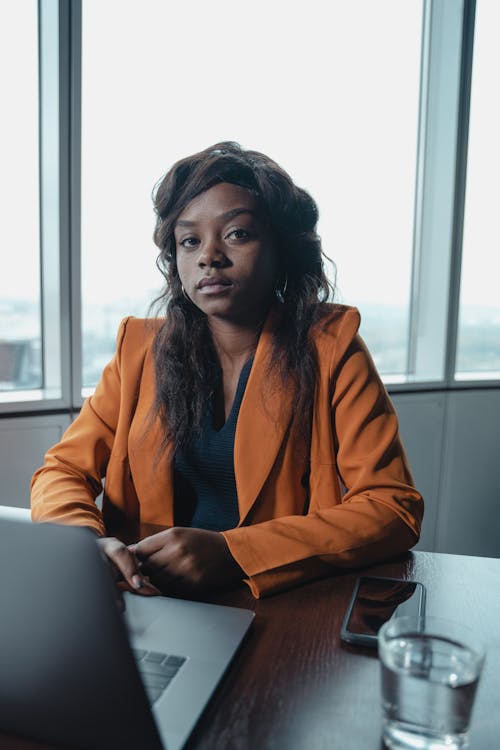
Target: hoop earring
{"points": [[280, 293]]}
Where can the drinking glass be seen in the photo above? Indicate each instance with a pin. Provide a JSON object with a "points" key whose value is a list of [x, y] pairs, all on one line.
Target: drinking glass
{"points": [[430, 671]]}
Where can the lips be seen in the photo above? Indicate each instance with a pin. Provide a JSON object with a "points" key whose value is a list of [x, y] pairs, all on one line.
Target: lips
{"points": [[213, 281]]}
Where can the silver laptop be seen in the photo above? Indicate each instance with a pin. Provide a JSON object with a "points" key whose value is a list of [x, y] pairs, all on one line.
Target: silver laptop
{"points": [[77, 672]]}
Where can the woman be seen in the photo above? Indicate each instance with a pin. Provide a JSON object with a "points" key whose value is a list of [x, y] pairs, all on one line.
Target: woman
{"points": [[246, 435]]}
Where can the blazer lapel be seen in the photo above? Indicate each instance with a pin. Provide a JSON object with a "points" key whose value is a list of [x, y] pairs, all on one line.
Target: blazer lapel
{"points": [[264, 417]]}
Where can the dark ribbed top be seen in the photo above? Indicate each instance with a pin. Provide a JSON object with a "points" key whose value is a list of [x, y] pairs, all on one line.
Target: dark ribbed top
{"points": [[205, 484]]}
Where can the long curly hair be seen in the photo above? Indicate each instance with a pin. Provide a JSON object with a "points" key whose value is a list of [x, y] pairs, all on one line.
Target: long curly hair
{"points": [[186, 364]]}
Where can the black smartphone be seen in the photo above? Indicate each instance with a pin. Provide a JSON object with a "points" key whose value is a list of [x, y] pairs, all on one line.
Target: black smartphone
{"points": [[376, 600]]}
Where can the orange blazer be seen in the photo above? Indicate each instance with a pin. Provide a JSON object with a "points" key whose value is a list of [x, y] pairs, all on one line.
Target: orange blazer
{"points": [[354, 504]]}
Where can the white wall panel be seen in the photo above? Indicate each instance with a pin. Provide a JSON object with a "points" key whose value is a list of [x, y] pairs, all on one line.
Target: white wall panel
{"points": [[452, 440], [23, 442], [469, 517], [421, 420]]}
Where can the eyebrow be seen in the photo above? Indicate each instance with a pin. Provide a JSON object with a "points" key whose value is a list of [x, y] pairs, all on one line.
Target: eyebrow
{"points": [[226, 216]]}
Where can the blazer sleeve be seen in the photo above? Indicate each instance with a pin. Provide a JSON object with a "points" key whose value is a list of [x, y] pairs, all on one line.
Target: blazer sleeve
{"points": [[65, 488], [381, 511]]}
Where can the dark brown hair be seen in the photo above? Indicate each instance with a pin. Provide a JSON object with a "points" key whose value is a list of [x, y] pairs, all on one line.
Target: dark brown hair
{"points": [[186, 365]]}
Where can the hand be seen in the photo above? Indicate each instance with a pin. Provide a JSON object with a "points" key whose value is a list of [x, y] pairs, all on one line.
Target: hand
{"points": [[125, 567], [184, 560]]}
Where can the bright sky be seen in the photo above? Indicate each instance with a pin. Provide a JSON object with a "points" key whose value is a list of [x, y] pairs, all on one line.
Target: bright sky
{"points": [[330, 94], [19, 240], [321, 95]]}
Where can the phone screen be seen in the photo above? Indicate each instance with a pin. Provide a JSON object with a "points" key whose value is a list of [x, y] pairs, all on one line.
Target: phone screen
{"points": [[374, 601]]}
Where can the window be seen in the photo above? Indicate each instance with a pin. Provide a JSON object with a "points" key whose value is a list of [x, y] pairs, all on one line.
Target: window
{"points": [[361, 102], [322, 96], [20, 304], [478, 352]]}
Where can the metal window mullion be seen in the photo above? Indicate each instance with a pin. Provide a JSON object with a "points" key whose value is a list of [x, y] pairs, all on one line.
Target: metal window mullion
{"points": [[57, 197], [419, 193], [64, 196], [40, 190], [75, 95], [435, 190], [49, 195], [460, 189], [55, 386]]}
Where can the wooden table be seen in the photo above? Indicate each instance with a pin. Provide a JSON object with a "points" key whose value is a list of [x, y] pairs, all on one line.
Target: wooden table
{"points": [[294, 686]]}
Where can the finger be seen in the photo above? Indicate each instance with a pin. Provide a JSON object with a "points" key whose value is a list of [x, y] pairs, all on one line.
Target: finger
{"points": [[147, 589], [149, 545], [125, 562], [164, 559]]}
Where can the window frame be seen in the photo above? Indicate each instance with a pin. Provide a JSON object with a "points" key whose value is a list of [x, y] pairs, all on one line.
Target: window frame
{"points": [[485, 380], [445, 87], [433, 257], [56, 178]]}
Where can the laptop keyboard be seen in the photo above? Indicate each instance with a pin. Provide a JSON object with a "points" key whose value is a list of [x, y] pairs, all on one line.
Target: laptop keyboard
{"points": [[157, 670]]}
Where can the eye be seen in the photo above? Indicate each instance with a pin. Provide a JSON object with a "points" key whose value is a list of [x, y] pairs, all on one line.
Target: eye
{"points": [[238, 234], [188, 242]]}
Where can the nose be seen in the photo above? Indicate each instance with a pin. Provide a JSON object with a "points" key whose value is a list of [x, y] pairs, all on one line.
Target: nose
{"points": [[211, 255]]}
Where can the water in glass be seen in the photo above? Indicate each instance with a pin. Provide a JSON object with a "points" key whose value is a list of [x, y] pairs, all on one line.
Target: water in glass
{"points": [[428, 688]]}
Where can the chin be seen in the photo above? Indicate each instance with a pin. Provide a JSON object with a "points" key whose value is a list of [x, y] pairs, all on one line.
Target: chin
{"points": [[215, 307]]}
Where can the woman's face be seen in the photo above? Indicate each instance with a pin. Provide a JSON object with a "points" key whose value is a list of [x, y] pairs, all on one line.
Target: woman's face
{"points": [[226, 258]]}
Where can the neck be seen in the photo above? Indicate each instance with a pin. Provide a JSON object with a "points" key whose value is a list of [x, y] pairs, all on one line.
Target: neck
{"points": [[234, 343]]}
